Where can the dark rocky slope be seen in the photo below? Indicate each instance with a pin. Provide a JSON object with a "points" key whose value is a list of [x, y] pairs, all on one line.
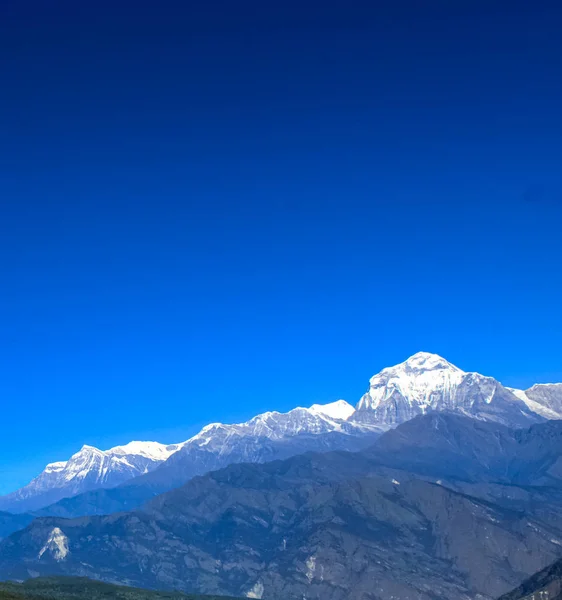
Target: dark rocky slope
{"points": [[544, 585]]}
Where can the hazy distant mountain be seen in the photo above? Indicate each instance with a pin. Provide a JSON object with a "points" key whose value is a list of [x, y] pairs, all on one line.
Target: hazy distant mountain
{"points": [[337, 525], [426, 382], [88, 469]]}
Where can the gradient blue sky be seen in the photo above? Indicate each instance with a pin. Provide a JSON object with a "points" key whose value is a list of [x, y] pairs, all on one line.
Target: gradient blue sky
{"points": [[212, 211]]}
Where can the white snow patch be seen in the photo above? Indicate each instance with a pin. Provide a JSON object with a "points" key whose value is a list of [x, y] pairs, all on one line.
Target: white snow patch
{"points": [[56, 544], [261, 521], [153, 450], [536, 407], [310, 568], [256, 591], [55, 467], [336, 410]]}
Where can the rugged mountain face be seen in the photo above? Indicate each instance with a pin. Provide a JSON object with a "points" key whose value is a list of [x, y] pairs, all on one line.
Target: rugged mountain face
{"points": [[333, 526], [269, 436], [544, 585], [88, 469], [543, 398], [451, 446], [266, 437], [426, 382]]}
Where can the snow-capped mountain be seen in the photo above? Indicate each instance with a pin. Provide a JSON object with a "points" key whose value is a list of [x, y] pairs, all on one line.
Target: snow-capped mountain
{"points": [[266, 437], [88, 469], [269, 436], [336, 410], [423, 383], [276, 426], [426, 382], [543, 398]]}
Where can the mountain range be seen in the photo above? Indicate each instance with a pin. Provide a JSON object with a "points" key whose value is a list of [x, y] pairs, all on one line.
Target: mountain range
{"points": [[99, 482], [126, 476], [438, 484], [444, 506], [88, 469]]}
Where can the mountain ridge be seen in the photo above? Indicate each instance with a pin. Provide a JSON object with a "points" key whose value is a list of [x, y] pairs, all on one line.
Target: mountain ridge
{"points": [[325, 524], [87, 469], [423, 383], [544, 585]]}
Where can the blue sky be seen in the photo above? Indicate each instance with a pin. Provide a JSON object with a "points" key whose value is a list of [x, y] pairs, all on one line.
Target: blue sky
{"points": [[209, 212]]}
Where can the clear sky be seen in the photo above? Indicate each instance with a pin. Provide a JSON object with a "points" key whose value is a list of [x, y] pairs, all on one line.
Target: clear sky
{"points": [[212, 209]]}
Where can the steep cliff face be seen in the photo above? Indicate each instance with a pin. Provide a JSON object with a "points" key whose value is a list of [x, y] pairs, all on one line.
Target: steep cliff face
{"points": [[544, 585]]}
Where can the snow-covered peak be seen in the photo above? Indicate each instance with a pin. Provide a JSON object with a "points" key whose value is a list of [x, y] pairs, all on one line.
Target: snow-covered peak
{"points": [[273, 425], [55, 467], [340, 409], [544, 399], [427, 382], [422, 383], [89, 468], [423, 361], [86, 449], [152, 450], [419, 378]]}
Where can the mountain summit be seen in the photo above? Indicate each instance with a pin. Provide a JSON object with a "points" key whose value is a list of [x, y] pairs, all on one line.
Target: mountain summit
{"points": [[427, 382], [88, 469], [423, 379]]}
